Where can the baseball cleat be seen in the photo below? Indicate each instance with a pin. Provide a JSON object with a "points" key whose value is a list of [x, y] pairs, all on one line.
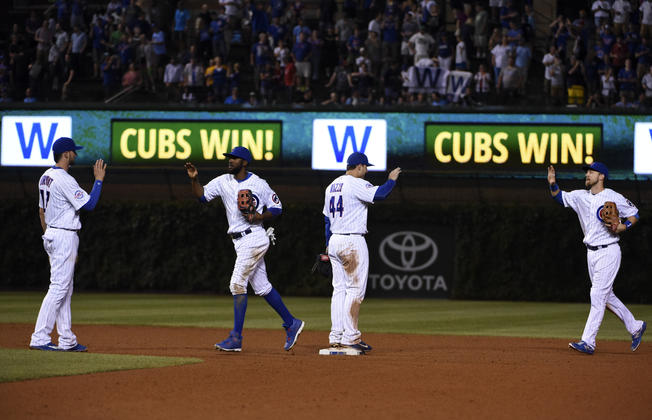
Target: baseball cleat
{"points": [[636, 338], [334, 345], [77, 347], [582, 347], [232, 343], [293, 332], [357, 347], [365, 346], [46, 347]]}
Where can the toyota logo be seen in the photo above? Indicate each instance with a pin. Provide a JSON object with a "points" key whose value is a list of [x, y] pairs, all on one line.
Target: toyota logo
{"points": [[404, 250]]}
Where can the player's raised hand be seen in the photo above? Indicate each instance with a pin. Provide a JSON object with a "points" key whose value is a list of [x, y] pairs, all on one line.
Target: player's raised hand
{"points": [[552, 178], [394, 174], [192, 171], [99, 169]]}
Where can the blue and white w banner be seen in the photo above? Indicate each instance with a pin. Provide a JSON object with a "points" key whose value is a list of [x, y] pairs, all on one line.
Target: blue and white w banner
{"points": [[427, 80], [458, 81]]}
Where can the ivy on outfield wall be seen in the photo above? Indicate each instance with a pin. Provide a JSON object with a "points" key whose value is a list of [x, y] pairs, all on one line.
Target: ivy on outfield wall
{"points": [[510, 253]]}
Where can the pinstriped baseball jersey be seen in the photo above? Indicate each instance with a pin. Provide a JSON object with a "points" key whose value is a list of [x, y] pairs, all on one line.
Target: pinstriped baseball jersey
{"points": [[346, 203], [588, 207], [227, 187], [61, 197]]}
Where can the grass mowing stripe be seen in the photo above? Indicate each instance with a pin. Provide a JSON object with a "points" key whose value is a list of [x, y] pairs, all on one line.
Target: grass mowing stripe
{"points": [[19, 365], [405, 316]]}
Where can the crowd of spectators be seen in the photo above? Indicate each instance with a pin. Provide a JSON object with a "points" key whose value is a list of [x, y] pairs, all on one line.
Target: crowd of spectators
{"points": [[330, 53]]}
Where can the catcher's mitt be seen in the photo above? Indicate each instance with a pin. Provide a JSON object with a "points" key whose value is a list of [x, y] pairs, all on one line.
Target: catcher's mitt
{"points": [[610, 216], [246, 205], [323, 266]]}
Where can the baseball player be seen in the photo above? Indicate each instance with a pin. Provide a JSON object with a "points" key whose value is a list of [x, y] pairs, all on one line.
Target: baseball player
{"points": [[346, 202], [249, 239], [60, 199], [602, 249]]}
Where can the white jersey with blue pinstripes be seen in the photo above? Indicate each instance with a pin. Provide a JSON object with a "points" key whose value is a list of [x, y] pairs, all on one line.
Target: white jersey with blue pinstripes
{"points": [[227, 187], [346, 202], [588, 206], [61, 197]]}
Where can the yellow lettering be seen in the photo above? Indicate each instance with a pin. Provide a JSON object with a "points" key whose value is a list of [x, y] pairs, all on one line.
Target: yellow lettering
{"points": [[554, 145], [468, 147], [166, 147], [124, 143], [142, 141], [215, 143], [533, 147], [438, 146], [183, 143], [482, 153], [572, 148], [254, 146], [503, 153]]}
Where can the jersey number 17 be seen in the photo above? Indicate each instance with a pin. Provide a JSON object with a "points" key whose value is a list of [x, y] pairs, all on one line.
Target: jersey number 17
{"points": [[335, 208]]}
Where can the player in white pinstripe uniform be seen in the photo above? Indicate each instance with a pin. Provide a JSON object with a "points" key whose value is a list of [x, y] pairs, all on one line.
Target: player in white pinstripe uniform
{"points": [[346, 202], [60, 199], [250, 241], [603, 252]]}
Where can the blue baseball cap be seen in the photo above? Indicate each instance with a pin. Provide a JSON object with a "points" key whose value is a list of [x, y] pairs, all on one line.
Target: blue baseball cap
{"points": [[357, 158], [240, 152], [64, 144], [598, 167]]}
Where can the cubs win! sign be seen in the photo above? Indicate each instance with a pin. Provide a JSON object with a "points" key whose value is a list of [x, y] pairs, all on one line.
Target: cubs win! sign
{"points": [[410, 261], [522, 147], [160, 141]]}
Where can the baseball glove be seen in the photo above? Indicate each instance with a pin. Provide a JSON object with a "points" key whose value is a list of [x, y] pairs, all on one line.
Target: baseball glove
{"points": [[610, 216], [246, 205], [323, 266]]}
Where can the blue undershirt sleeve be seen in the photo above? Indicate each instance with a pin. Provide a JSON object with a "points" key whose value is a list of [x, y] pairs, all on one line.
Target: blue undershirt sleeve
{"points": [[275, 211], [383, 191], [327, 229], [203, 199], [94, 196], [558, 198]]}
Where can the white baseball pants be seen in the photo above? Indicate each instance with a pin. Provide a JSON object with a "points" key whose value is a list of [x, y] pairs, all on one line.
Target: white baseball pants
{"points": [[604, 264], [61, 246], [250, 264], [349, 257]]}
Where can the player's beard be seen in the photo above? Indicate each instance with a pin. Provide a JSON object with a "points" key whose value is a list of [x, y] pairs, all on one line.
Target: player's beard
{"points": [[588, 184], [235, 168]]}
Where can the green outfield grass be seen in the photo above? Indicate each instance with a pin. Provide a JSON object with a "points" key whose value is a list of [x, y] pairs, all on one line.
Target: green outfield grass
{"points": [[404, 316], [19, 365]]}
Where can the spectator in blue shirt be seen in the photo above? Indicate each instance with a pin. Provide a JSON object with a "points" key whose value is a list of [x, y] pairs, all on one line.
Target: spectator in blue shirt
{"points": [[261, 55], [276, 30], [301, 56], [219, 79], [514, 34], [390, 38], [181, 18], [29, 99], [643, 57], [216, 28], [353, 44], [627, 80], [109, 74], [300, 28], [259, 18], [234, 99]]}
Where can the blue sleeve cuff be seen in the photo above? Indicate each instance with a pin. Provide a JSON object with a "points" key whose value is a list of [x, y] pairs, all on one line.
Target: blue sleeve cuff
{"points": [[383, 191], [203, 199], [275, 211], [558, 198], [94, 196], [327, 229]]}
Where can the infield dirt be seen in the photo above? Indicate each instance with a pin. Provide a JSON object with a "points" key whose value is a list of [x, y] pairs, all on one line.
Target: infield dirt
{"points": [[404, 377]]}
